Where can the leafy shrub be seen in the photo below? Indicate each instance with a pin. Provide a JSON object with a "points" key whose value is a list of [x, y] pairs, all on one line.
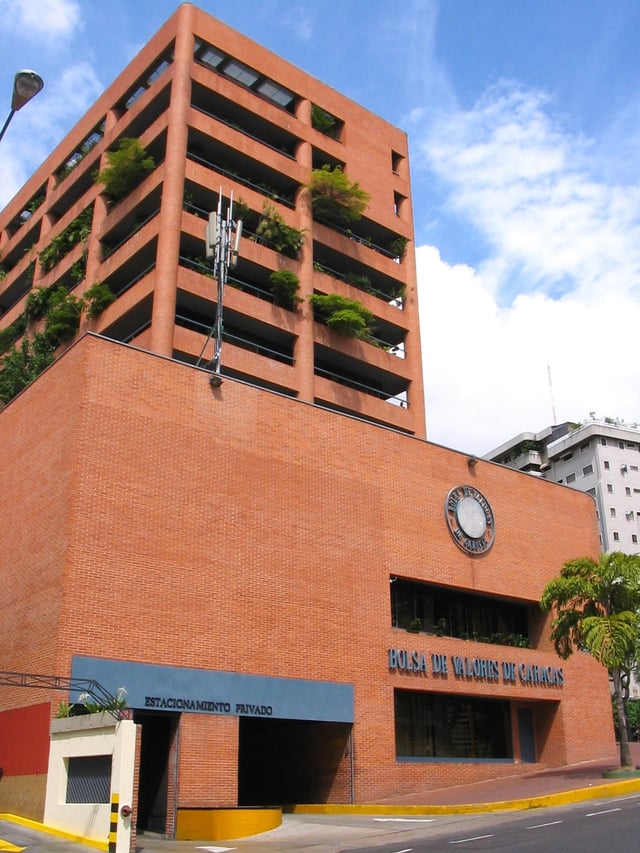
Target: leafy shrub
{"points": [[335, 199], [272, 229], [128, 165], [75, 232], [21, 365], [98, 297], [284, 286], [63, 317], [345, 316]]}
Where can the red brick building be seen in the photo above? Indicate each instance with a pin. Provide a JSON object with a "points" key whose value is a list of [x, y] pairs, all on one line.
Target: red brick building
{"points": [[304, 599]]}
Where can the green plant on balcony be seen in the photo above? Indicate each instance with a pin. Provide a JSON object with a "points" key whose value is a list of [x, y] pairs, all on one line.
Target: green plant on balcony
{"points": [[21, 365], [345, 316], [10, 334], [362, 282], [335, 199], [398, 246], [274, 231], [76, 232], [323, 121], [98, 297], [62, 320], [127, 166], [37, 303], [284, 285], [61, 312]]}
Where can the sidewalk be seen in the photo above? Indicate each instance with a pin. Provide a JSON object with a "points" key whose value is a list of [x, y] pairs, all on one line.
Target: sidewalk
{"points": [[537, 784]]}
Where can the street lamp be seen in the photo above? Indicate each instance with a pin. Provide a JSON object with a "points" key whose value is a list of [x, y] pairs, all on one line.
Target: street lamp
{"points": [[26, 85]]}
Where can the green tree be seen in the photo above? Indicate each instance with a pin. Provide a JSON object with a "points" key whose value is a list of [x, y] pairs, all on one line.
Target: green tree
{"points": [[596, 604], [335, 199]]}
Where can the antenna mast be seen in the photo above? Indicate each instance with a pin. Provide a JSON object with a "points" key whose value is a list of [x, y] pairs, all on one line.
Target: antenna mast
{"points": [[222, 242]]}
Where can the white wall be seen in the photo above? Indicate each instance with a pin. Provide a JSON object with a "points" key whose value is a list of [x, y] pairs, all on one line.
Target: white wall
{"points": [[92, 734]]}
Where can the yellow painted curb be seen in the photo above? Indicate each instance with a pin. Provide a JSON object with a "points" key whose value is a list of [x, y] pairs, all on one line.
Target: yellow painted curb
{"points": [[596, 792], [8, 847], [218, 824], [40, 827]]}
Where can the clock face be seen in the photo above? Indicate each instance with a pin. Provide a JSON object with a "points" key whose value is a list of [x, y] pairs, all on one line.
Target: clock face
{"points": [[470, 519]]}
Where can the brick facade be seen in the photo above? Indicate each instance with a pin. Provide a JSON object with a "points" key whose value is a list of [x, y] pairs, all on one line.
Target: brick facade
{"points": [[246, 537], [235, 530]]}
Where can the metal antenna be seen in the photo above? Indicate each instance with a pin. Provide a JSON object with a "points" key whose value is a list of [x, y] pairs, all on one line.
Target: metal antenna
{"points": [[222, 242]]}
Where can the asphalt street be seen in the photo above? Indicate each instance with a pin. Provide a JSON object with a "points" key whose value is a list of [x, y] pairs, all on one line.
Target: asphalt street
{"points": [[610, 825]]}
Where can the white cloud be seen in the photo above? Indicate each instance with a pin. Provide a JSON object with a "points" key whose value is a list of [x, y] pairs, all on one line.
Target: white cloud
{"points": [[53, 19], [487, 367], [534, 190], [557, 294]]}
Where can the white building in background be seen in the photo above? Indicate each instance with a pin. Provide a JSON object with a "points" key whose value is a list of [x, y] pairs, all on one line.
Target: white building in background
{"points": [[600, 457]]}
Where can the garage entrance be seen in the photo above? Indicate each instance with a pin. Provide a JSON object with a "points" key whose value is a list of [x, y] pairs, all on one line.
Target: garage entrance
{"points": [[158, 734], [293, 761]]}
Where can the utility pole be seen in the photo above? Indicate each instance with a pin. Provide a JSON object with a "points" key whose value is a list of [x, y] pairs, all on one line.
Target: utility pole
{"points": [[222, 242]]}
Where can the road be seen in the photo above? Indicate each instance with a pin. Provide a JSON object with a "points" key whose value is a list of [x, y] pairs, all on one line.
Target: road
{"points": [[611, 825]]}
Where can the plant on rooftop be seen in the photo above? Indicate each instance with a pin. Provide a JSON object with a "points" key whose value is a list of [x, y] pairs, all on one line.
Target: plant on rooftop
{"points": [[334, 198], [345, 316], [127, 166]]}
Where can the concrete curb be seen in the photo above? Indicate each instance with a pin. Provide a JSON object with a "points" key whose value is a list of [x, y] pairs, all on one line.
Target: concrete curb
{"points": [[595, 792], [40, 827]]}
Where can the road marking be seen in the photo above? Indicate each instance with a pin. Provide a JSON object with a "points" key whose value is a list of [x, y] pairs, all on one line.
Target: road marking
{"points": [[8, 847], [474, 838], [541, 825], [405, 820], [606, 811], [215, 849], [406, 850]]}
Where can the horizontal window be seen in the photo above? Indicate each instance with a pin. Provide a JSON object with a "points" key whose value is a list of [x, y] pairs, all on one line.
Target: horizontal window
{"points": [[446, 611], [434, 725]]}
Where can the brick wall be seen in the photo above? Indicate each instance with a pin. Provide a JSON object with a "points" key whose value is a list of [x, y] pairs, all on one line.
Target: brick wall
{"points": [[237, 530]]}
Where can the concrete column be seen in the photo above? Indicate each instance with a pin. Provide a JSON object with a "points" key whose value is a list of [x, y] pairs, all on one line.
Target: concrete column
{"points": [[164, 297], [304, 344]]}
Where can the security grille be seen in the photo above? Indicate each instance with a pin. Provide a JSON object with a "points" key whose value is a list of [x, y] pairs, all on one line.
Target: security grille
{"points": [[89, 779]]}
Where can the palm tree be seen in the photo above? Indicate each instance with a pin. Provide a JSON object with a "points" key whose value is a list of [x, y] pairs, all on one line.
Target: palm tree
{"points": [[596, 604]]}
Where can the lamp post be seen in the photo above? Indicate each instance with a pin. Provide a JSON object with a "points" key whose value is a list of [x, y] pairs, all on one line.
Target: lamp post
{"points": [[26, 85]]}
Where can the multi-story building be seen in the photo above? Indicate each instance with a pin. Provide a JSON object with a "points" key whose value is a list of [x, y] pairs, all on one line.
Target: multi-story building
{"points": [[228, 115], [304, 599], [600, 457]]}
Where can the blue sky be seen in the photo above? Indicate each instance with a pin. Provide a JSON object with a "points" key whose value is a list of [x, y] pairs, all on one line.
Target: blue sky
{"points": [[524, 124]]}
